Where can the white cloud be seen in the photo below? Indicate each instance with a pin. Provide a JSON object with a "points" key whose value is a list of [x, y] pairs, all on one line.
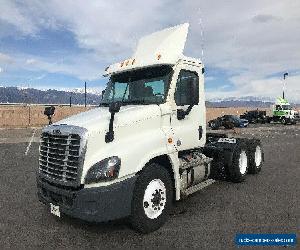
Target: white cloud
{"points": [[31, 61], [209, 78], [5, 59], [84, 66], [271, 87], [247, 40]]}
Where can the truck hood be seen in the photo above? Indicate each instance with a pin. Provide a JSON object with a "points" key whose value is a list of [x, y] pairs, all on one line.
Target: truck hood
{"points": [[97, 119]]}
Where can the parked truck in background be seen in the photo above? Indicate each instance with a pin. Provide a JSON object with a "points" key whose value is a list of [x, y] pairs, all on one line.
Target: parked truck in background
{"points": [[283, 112], [255, 116], [145, 147]]}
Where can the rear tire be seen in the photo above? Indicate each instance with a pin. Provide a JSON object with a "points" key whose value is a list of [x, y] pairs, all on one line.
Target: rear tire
{"points": [[152, 199], [256, 157], [238, 169]]}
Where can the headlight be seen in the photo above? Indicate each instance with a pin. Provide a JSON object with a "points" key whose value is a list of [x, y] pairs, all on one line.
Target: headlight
{"points": [[105, 170]]}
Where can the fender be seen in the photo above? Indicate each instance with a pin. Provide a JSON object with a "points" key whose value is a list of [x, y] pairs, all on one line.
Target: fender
{"points": [[173, 167]]}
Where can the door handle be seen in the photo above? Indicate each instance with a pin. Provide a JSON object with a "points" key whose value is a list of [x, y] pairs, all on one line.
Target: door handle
{"points": [[200, 130]]}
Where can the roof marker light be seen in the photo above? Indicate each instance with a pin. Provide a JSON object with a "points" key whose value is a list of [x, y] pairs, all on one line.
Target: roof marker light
{"points": [[158, 56], [127, 62], [133, 61], [122, 63]]}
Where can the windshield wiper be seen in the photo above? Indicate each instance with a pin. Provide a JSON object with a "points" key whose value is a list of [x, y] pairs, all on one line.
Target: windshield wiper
{"points": [[134, 102]]}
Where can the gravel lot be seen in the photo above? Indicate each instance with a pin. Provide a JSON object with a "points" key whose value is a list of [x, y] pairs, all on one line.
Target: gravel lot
{"points": [[209, 219]]}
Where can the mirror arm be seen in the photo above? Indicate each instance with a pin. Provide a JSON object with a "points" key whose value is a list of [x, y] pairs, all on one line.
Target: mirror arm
{"points": [[114, 108], [110, 135], [189, 109], [181, 114]]}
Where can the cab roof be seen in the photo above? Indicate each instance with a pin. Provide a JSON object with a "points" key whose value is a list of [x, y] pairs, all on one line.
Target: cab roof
{"points": [[281, 101]]}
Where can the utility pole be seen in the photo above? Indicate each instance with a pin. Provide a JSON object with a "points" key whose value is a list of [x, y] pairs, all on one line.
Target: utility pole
{"points": [[84, 94], [283, 88]]}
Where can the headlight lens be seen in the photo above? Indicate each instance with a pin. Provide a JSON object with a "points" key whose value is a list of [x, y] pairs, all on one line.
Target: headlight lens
{"points": [[105, 170]]}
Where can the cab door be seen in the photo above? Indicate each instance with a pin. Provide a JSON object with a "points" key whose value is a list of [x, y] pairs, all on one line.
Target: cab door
{"points": [[188, 111]]}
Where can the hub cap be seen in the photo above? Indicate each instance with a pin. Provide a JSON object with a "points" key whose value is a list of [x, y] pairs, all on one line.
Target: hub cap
{"points": [[243, 162], [258, 156], [154, 199]]}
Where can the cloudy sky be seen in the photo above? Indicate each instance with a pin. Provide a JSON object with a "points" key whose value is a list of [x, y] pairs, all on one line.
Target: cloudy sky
{"points": [[248, 45]]}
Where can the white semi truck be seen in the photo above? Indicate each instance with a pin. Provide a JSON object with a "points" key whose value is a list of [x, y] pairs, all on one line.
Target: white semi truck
{"points": [[145, 146], [283, 112]]}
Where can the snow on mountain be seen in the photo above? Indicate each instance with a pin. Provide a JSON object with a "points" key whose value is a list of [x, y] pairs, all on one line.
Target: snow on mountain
{"points": [[93, 91], [243, 98]]}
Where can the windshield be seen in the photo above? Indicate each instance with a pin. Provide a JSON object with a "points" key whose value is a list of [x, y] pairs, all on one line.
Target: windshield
{"points": [[235, 118], [286, 107], [143, 86]]}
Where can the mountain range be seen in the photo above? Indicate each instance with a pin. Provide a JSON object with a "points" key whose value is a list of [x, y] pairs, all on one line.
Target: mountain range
{"points": [[52, 96]]}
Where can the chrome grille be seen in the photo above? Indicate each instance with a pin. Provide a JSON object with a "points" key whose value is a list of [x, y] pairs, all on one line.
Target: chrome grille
{"points": [[60, 156]]}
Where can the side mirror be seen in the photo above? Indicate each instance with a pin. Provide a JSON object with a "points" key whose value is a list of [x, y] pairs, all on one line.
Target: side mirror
{"points": [[114, 107], [180, 114]]}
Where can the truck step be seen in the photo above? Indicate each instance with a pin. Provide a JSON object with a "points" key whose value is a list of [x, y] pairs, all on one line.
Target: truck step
{"points": [[198, 187]]}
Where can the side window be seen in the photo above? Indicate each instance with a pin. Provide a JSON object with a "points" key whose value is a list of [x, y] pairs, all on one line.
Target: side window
{"points": [[184, 87]]}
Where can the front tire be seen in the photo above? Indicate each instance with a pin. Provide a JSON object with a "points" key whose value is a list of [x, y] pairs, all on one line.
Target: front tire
{"points": [[152, 199], [283, 121]]}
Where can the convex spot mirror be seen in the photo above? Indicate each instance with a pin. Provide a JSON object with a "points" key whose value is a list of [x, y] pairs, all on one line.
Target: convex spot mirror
{"points": [[114, 107]]}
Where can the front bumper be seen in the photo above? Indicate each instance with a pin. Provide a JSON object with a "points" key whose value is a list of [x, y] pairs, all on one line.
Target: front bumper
{"points": [[90, 204]]}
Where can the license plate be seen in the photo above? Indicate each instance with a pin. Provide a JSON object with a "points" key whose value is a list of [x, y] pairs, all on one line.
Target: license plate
{"points": [[54, 210]]}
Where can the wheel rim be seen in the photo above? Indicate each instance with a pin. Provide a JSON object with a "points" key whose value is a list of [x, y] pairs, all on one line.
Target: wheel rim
{"points": [[243, 162], [258, 156], [154, 200]]}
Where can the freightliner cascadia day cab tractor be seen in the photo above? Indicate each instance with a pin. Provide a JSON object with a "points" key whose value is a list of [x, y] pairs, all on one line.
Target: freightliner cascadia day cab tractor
{"points": [[145, 146]]}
